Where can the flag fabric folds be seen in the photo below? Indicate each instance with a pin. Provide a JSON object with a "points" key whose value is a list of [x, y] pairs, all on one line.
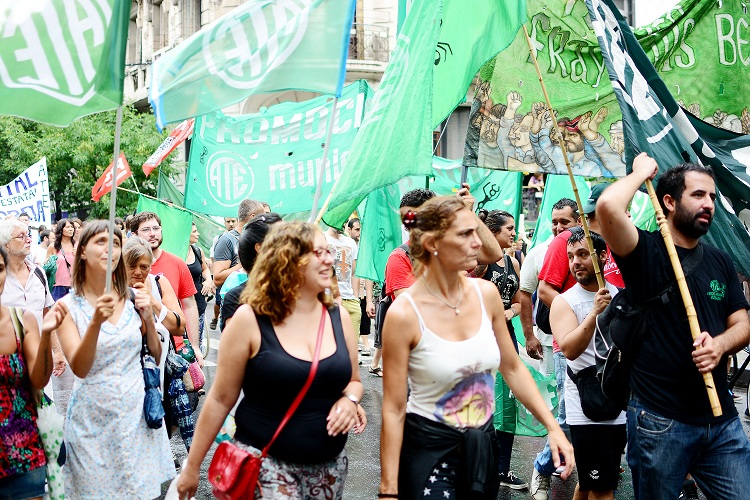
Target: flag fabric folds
{"points": [[175, 138], [260, 46], [653, 122], [60, 60], [179, 222], [104, 184], [441, 46]]}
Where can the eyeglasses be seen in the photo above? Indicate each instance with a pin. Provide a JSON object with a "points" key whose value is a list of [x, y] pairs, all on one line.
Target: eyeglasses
{"points": [[23, 237], [322, 253], [146, 230]]}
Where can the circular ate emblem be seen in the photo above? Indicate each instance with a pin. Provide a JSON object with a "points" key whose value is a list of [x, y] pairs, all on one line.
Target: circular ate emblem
{"points": [[241, 57], [229, 178]]}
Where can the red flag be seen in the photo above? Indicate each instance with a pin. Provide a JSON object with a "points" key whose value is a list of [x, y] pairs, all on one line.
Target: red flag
{"points": [[104, 184], [177, 137]]}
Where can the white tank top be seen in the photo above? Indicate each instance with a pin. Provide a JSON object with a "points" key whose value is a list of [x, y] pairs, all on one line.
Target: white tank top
{"points": [[582, 302], [454, 382]]}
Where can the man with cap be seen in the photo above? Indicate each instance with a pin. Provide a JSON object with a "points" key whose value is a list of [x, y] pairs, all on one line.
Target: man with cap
{"points": [[555, 278]]}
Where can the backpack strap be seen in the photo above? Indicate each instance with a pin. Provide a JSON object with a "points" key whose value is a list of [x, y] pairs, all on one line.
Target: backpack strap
{"points": [[198, 254], [40, 274]]}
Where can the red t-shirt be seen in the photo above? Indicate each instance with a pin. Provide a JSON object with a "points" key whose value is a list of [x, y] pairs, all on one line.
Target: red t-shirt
{"points": [[177, 272], [398, 272], [556, 269]]}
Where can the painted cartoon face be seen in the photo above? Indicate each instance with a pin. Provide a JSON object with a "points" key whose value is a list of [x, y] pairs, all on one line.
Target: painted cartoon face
{"points": [[519, 132], [573, 140], [617, 143]]}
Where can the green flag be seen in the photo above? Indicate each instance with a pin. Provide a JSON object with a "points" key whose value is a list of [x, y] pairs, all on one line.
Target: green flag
{"points": [[177, 224], [654, 123], [207, 229], [439, 49], [274, 155], [381, 232], [260, 46], [60, 60]]}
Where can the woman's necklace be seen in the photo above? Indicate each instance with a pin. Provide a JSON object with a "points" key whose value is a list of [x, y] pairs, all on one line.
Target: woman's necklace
{"points": [[441, 299]]}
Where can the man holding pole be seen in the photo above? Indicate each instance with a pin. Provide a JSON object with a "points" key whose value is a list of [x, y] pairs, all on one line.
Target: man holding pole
{"points": [[670, 425]]}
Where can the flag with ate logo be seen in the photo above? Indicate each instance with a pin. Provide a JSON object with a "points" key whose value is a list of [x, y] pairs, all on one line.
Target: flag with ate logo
{"points": [[60, 60], [654, 123], [260, 46]]}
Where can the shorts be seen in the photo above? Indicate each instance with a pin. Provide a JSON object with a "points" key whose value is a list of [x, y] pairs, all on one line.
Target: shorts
{"points": [[598, 451], [25, 485], [355, 313]]}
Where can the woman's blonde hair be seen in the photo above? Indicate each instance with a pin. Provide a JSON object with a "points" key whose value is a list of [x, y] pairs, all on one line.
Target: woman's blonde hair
{"points": [[273, 286], [119, 275], [433, 219]]}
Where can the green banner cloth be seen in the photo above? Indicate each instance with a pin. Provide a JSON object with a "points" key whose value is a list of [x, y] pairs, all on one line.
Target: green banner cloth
{"points": [[60, 60], [272, 156], [512, 416], [655, 123], [698, 48], [381, 221], [176, 225], [260, 46], [440, 47]]}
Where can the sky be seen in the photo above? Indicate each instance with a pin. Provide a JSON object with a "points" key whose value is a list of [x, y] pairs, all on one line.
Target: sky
{"points": [[649, 10]]}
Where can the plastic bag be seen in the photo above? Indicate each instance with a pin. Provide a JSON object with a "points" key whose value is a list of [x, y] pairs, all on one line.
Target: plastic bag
{"points": [[50, 425], [228, 428]]}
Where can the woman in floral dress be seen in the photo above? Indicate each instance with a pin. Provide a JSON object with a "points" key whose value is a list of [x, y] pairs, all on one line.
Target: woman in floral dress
{"points": [[112, 453]]}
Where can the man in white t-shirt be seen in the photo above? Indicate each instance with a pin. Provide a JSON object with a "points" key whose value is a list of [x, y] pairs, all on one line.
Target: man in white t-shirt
{"points": [[599, 444], [344, 251]]}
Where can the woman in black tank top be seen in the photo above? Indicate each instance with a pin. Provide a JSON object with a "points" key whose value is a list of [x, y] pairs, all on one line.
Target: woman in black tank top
{"points": [[505, 278], [266, 351]]}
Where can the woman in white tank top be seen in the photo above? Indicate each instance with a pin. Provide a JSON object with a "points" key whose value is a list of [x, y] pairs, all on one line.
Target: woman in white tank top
{"points": [[447, 336]]}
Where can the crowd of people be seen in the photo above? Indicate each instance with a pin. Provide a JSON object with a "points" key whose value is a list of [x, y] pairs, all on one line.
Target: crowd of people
{"points": [[295, 322]]}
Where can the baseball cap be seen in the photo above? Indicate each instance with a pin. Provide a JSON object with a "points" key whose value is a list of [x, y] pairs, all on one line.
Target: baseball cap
{"points": [[594, 194]]}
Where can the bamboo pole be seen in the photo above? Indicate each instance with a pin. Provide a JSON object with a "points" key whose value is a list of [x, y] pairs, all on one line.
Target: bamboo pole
{"points": [[595, 262], [692, 315]]}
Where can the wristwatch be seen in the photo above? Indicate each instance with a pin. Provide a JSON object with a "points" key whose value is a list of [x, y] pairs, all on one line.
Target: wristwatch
{"points": [[352, 398]]}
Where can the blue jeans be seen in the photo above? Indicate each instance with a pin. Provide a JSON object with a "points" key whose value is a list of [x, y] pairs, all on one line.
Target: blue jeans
{"points": [[25, 485], [543, 462], [662, 451]]}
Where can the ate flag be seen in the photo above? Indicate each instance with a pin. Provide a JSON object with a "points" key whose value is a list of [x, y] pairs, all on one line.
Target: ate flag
{"points": [[104, 184]]}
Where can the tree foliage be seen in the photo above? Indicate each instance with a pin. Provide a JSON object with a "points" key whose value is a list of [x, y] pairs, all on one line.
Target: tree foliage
{"points": [[78, 154]]}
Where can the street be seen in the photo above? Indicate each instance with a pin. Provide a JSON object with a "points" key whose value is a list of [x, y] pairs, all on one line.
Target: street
{"points": [[364, 450]]}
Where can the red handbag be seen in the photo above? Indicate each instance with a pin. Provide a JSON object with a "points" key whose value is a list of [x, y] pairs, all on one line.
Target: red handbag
{"points": [[233, 471]]}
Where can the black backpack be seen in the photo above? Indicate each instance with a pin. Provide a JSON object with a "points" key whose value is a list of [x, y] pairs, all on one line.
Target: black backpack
{"points": [[622, 328], [385, 301]]}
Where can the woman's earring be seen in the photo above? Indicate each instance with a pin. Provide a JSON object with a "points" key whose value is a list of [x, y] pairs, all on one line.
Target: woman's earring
{"points": [[434, 253]]}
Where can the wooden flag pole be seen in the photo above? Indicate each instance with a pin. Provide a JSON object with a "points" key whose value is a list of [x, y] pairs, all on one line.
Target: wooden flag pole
{"points": [[113, 201], [692, 315], [597, 270]]}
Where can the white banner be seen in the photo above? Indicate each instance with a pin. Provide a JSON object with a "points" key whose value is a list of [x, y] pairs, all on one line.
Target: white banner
{"points": [[29, 193]]}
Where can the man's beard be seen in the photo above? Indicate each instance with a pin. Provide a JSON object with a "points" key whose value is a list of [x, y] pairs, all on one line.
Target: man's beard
{"points": [[586, 280], [689, 224], [161, 239]]}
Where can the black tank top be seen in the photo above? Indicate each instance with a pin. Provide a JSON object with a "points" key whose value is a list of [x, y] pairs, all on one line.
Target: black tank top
{"points": [[196, 272], [273, 378]]}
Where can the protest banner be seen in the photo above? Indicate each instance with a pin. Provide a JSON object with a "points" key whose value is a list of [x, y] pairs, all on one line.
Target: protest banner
{"points": [[29, 193], [60, 60], [272, 156]]}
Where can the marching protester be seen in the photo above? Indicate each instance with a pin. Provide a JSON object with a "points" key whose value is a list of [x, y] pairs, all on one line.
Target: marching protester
{"points": [[225, 259], [64, 248], [598, 441], [229, 224], [250, 242], [504, 275], [364, 293], [344, 251], [671, 429], [25, 369], [147, 225], [111, 452], [204, 283], [447, 336], [46, 238], [267, 350]]}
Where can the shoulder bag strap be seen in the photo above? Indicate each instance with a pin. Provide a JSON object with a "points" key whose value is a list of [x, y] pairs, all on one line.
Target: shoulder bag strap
{"points": [[308, 383]]}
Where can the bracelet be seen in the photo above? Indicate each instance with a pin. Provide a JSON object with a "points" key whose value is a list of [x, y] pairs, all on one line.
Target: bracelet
{"points": [[387, 495]]}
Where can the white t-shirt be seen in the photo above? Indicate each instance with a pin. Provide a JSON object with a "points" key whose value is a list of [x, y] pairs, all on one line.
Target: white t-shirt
{"points": [[582, 301], [344, 251], [529, 281], [39, 255]]}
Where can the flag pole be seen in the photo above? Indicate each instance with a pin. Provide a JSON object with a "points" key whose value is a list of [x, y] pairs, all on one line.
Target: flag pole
{"points": [[597, 269], [695, 329], [324, 163], [113, 200]]}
